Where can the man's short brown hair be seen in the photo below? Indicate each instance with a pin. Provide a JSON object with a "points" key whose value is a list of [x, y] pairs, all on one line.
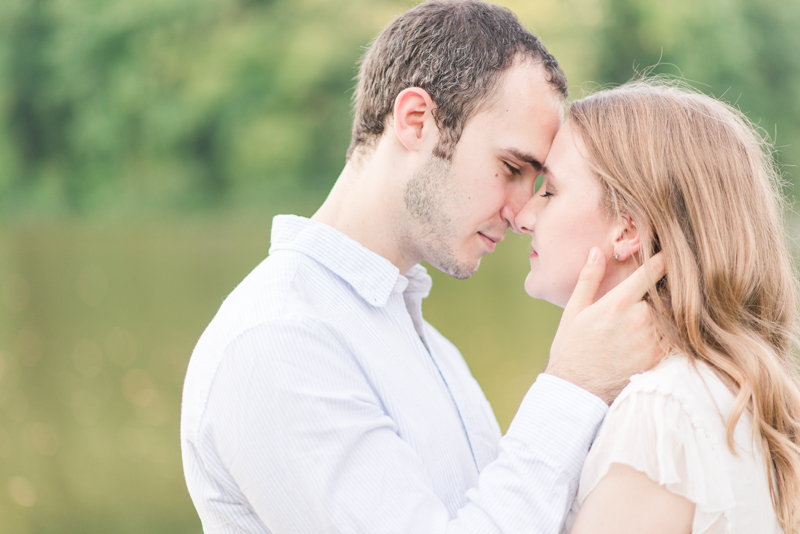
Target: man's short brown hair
{"points": [[455, 50]]}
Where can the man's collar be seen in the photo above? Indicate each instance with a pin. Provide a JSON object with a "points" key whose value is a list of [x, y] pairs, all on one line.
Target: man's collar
{"points": [[371, 275]]}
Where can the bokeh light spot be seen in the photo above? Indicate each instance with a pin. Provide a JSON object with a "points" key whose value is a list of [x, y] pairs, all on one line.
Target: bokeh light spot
{"points": [[22, 492], [138, 388]]}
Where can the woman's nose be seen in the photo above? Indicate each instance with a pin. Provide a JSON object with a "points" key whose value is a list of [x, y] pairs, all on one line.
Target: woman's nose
{"points": [[518, 197], [526, 218]]}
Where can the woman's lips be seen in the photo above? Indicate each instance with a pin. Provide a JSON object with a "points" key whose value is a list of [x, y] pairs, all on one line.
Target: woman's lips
{"points": [[534, 254]]}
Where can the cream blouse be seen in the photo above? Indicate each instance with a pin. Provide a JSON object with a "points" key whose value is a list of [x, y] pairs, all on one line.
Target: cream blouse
{"points": [[669, 423]]}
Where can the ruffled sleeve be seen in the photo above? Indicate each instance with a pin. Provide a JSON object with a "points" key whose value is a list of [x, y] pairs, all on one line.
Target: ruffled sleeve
{"points": [[658, 430]]}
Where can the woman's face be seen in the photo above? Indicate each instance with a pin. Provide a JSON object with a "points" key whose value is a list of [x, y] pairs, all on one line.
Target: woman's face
{"points": [[565, 219]]}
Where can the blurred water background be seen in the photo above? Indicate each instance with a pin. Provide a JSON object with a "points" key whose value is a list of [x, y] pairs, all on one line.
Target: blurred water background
{"points": [[145, 146]]}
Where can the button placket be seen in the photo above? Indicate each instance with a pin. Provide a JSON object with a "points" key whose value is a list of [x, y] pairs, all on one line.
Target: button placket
{"points": [[414, 308]]}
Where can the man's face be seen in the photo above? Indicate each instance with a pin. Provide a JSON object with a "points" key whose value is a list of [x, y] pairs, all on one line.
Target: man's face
{"points": [[460, 209]]}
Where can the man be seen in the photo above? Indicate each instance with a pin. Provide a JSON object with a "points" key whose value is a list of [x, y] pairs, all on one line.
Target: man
{"points": [[319, 400]]}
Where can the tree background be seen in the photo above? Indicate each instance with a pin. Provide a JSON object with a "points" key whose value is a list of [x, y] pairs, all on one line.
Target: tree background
{"points": [[144, 147], [130, 105]]}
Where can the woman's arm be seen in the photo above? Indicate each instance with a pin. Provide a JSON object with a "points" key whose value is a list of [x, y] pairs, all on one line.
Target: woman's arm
{"points": [[626, 501]]}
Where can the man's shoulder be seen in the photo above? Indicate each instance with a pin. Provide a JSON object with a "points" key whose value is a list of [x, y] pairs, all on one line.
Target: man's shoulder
{"points": [[287, 288], [283, 300], [285, 284]]}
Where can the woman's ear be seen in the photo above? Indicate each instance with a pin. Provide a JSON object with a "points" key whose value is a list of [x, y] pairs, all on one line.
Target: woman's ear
{"points": [[413, 118], [627, 239]]}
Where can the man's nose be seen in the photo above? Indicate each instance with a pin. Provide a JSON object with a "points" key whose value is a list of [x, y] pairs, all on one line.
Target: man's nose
{"points": [[510, 216], [515, 203]]}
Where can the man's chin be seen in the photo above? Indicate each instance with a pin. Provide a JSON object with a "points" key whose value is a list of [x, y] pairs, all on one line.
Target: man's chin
{"points": [[438, 255], [459, 270]]}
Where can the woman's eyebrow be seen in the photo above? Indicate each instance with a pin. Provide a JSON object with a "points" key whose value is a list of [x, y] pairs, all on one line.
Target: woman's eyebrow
{"points": [[525, 157]]}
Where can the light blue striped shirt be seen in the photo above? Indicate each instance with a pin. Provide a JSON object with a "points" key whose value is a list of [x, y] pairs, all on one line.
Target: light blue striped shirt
{"points": [[319, 400]]}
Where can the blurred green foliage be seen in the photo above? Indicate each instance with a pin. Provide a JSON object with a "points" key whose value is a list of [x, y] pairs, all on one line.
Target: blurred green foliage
{"points": [[169, 103], [155, 104], [210, 116]]}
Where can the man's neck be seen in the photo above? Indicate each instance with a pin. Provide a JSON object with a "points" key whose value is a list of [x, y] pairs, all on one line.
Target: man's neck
{"points": [[365, 204]]}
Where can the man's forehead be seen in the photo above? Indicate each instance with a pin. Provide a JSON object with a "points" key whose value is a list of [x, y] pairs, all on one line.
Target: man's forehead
{"points": [[526, 76], [523, 84]]}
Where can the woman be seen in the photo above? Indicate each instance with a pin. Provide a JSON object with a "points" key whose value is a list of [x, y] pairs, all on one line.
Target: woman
{"points": [[708, 441]]}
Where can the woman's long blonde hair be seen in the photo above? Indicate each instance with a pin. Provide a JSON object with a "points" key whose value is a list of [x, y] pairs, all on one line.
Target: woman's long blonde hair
{"points": [[702, 178]]}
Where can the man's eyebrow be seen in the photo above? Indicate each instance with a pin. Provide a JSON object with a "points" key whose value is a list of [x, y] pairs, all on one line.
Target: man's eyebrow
{"points": [[527, 158]]}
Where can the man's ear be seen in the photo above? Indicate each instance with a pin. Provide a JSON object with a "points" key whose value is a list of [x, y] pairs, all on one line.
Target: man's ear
{"points": [[627, 238], [413, 118]]}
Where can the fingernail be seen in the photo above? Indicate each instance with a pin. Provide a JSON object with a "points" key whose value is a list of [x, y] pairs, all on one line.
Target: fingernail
{"points": [[593, 255]]}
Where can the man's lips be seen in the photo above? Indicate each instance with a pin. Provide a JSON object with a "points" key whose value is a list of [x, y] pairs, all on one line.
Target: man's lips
{"points": [[490, 241]]}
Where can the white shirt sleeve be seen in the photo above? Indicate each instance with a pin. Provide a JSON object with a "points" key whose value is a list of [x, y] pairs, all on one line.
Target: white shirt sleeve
{"points": [[306, 442]]}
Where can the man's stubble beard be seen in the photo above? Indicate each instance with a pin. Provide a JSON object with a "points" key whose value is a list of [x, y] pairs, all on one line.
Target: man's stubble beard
{"points": [[429, 226]]}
